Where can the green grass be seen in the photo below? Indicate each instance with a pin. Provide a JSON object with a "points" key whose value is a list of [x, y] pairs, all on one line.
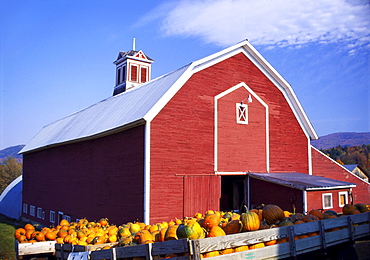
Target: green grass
{"points": [[7, 228]]}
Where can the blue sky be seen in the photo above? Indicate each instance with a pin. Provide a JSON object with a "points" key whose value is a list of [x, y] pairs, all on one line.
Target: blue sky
{"points": [[56, 57]]}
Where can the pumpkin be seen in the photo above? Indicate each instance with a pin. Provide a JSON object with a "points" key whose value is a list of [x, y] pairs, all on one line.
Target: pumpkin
{"points": [[296, 216], [250, 221], [347, 208], [258, 245], [171, 233], [29, 226], [300, 221], [264, 225], [144, 237], [211, 254], [361, 207], [216, 231], [190, 229], [355, 211], [273, 214], [329, 214], [241, 248], [227, 251], [211, 220], [162, 234], [233, 227], [258, 212], [51, 235], [285, 223], [270, 243], [316, 213], [19, 232], [309, 218]]}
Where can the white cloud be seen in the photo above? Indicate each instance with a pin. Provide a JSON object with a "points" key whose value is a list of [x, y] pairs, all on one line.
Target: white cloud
{"points": [[269, 22]]}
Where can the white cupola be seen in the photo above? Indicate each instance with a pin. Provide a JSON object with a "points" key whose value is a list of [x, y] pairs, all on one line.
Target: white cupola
{"points": [[132, 69]]}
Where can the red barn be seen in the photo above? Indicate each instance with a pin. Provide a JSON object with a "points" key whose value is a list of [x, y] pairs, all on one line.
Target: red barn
{"points": [[218, 133]]}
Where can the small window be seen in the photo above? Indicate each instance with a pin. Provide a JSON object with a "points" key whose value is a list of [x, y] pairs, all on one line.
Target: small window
{"points": [[143, 74], [133, 73], [327, 200], [343, 198], [25, 208], [39, 212], [32, 210], [123, 73], [241, 113], [52, 216], [118, 76], [68, 218]]}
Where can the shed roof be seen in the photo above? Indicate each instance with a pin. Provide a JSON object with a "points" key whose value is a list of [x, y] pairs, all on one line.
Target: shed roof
{"points": [[11, 199], [301, 181], [350, 167], [142, 103]]}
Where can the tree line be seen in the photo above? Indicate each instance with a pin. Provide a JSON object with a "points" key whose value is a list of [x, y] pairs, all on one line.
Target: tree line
{"points": [[351, 155], [10, 169]]}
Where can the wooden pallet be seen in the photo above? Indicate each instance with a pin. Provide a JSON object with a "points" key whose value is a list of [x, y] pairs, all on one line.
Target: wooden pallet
{"points": [[40, 249]]}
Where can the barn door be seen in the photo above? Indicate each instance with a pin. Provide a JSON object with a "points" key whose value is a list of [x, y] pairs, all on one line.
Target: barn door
{"points": [[201, 193]]}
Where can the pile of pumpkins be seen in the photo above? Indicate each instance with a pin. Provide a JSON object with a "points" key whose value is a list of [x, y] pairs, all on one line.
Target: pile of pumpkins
{"points": [[209, 224]]}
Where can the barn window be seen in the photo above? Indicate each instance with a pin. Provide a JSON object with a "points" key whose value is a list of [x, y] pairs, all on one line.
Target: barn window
{"points": [[32, 210], [52, 216], [143, 74], [25, 208], [118, 76], [39, 212], [343, 198], [327, 200], [133, 73], [241, 113], [68, 218]]}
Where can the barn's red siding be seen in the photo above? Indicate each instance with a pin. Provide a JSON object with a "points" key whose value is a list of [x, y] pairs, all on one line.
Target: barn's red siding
{"points": [[262, 192], [314, 199], [93, 179], [241, 144], [326, 167], [182, 134]]}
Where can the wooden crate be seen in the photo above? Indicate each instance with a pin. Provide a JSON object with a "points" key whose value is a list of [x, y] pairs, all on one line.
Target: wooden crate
{"points": [[349, 228], [37, 249], [63, 250]]}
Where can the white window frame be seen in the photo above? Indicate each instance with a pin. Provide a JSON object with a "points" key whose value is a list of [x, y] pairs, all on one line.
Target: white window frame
{"points": [[32, 210], [241, 118], [68, 218], [345, 193], [39, 212], [331, 201], [52, 216], [25, 208]]}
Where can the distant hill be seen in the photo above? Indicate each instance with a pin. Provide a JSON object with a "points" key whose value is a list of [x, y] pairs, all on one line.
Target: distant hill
{"points": [[11, 151], [342, 139]]}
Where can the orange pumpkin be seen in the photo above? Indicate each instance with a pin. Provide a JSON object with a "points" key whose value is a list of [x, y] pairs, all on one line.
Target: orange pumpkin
{"points": [[29, 233], [216, 231], [270, 243], [258, 212], [227, 251], [241, 248], [29, 226], [316, 213], [258, 245], [273, 214], [233, 227], [171, 233], [347, 208], [309, 218], [51, 235], [144, 237], [19, 232], [211, 254], [361, 207], [211, 220]]}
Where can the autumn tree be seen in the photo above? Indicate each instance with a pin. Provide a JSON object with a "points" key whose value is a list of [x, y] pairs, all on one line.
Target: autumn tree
{"points": [[10, 169]]}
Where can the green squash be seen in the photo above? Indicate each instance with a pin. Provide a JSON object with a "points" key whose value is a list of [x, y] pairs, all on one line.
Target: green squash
{"points": [[190, 229]]}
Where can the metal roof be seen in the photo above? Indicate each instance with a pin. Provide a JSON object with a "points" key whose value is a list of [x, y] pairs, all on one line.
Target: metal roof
{"points": [[350, 167], [301, 181], [141, 103], [107, 115]]}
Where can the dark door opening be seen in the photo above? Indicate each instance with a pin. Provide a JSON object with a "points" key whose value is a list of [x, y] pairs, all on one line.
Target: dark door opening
{"points": [[232, 193]]}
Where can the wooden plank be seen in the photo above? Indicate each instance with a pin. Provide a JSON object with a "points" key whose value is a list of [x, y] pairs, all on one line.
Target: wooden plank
{"points": [[131, 251], [168, 247], [35, 248]]}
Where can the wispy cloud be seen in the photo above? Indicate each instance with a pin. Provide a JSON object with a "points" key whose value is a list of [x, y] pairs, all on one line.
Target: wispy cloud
{"points": [[268, 22]]}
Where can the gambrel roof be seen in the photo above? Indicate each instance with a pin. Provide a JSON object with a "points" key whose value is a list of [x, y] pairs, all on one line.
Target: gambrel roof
{"points": [[143, 103]]}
